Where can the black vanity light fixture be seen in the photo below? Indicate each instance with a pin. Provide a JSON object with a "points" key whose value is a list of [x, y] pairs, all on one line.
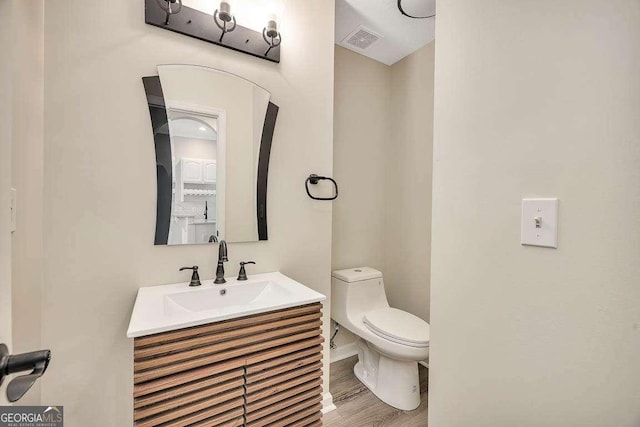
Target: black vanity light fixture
{"points": [[224, 31]]}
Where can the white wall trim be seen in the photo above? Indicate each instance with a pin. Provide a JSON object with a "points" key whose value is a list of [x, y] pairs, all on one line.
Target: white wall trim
{"points": [[327, 403], [343, 352]]}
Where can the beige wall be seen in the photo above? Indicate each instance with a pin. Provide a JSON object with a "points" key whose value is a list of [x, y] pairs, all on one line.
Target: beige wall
{"points": [[361, 131], [361, 135], [383, 120], [6, 13], [100, 184], [28, 140], [408, 179], [536, 99]]}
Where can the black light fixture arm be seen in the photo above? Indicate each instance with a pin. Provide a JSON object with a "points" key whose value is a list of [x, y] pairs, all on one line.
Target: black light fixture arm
{"points": [[166, 5], [273, 39], [35, 361], [223, 27]]}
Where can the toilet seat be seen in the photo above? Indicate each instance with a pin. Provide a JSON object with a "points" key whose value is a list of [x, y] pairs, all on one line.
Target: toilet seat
{"points": [[398, 326]]}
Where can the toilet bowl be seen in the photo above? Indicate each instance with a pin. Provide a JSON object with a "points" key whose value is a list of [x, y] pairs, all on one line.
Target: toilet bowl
{"points": [[390, 342]]}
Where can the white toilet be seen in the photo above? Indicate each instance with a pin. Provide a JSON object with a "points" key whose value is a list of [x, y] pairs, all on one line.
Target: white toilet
{"points": [[390, 341]]}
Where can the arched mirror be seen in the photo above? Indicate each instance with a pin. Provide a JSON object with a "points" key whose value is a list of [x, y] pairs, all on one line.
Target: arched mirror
{"points": [[212, 133]]}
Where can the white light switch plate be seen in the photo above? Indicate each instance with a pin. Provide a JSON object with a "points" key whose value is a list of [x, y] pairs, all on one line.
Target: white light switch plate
{"points": [[540, 222]]}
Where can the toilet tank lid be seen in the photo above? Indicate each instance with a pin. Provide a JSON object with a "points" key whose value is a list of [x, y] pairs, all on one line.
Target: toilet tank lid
{"points": [[357, 274]]}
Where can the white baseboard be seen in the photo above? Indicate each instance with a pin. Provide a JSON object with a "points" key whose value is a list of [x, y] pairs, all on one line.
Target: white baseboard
{"points": [[327, 403], [343, 352]]}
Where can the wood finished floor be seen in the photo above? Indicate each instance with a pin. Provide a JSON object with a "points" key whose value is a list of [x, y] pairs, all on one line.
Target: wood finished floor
{"points": [[358, 407]]}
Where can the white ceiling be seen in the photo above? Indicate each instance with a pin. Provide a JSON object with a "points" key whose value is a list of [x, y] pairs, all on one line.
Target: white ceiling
{"points": [[400, 35]]}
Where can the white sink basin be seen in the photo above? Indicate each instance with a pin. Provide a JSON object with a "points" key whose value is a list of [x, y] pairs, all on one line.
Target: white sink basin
{"points": [[221, 297], [169, 307]]}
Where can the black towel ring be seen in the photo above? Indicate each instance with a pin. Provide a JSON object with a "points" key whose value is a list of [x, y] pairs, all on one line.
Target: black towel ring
{"points": [[314, 179]]}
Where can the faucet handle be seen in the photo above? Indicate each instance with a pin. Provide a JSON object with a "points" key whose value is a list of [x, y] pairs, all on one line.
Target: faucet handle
{"points": [[242, 275], [195, 277]]}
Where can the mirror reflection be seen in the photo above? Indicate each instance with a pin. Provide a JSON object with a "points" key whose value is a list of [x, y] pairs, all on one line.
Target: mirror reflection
{"points": [[212, 133], [194, 147]]}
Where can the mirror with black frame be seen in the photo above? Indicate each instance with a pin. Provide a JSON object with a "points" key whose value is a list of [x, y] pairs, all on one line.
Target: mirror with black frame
{"points": [[212, 132]]}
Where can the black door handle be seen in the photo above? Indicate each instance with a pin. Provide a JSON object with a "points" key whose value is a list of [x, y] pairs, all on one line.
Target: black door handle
{"points": [[35, 361]]}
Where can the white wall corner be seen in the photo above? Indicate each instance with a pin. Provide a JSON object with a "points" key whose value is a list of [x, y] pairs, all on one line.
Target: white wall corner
{"points": [[327, 403]]}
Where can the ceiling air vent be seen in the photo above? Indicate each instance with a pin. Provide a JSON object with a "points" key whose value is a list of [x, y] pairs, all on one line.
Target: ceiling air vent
{"points": [[362, 38]]}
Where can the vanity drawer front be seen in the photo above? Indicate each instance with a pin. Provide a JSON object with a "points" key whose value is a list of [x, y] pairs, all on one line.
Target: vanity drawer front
{"points": [[207, 411], [226, 344], [260, 370], [190, 397], [291, 415], [284, 384], [308, 359]]}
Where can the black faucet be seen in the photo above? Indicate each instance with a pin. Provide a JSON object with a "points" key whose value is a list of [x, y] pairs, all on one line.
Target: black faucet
{"points": [[222, 258], [195, 277], [242, 275]]}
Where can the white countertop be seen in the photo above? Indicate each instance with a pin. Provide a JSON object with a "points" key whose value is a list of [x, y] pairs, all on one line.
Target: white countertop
{"points": [[170, 307]]}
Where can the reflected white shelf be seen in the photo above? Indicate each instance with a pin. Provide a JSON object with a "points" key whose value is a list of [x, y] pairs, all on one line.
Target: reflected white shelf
{"points": [[204, 221], [195, 192]]}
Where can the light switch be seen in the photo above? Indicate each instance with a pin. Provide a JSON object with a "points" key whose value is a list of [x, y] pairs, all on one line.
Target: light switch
{"points": [[540, 222]]}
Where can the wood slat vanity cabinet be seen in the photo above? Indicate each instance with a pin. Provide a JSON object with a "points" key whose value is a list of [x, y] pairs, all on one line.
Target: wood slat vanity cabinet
{"points": [[260, 370]]}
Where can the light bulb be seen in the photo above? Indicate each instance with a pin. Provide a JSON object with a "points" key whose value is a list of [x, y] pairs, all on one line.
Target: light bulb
{"points": [[272, 26], [224, 12]]}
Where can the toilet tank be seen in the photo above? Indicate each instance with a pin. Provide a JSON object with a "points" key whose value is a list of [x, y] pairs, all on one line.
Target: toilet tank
{"points": [[354, 291]]}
